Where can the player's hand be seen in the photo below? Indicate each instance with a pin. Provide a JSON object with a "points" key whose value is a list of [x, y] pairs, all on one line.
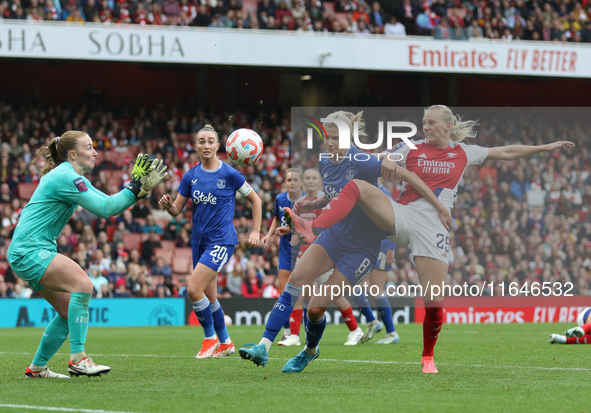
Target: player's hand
{"points": [[254, 239], [445, 217], [303, 206], [389, 168], [165, 202], [141, 186], [265, 240], [142, 166], [559, 144], [281, 231], [389, 257]]}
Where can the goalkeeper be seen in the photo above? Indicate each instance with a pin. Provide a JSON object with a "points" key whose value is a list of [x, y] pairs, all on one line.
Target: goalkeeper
{"points": [[33, 251]]}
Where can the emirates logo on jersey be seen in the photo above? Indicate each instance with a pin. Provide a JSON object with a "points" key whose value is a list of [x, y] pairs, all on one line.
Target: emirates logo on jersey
{"points": [[200, 197]]}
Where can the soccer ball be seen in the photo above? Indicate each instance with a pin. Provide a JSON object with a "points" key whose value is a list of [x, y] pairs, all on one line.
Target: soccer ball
{"points": [[244, 147], [228, 320]]}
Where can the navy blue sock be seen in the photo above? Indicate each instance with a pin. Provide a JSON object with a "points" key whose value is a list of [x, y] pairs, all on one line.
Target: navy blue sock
{"points": [[286, 324], [219, 322], [281, 311], [363, 304], [385, 312], [202, 310], [314, 331]]}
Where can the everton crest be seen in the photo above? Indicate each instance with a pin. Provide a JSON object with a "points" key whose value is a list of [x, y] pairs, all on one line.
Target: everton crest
{"points": [[350, 173], [221, 183]]}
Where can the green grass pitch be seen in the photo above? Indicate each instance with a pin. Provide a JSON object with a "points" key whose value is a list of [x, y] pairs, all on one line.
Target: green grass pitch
{"points": [[482, 368]]}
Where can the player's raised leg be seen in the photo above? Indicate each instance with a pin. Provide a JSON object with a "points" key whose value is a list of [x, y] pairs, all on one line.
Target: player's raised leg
{"points": [[314, 263]]}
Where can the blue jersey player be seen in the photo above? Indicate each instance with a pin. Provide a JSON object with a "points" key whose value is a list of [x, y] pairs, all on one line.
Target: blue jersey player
{"points": [[212, 186], [287, 251], [350, 247]]}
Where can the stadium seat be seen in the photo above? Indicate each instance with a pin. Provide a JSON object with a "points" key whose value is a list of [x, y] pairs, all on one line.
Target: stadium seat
{"points": [[110, 231], [181, 265], [132, 241], [183, 253], [145, 236], [168, 245], [162, 223], [25, 190], [115, 177], [119, 157], [165, 254]]}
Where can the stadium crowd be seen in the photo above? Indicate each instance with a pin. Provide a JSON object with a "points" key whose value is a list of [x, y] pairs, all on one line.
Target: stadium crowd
{"points": [[520, 221], [567, 21]]}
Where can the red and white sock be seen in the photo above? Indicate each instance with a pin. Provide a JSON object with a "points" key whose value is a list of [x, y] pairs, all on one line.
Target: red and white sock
{"points": [[586, 339], [339, 207], [432, 326], [349, 319], [295, 321]]}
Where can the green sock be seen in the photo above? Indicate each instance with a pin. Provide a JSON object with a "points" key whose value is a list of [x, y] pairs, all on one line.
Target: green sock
{"points": [[53, 337], [78, 320]]}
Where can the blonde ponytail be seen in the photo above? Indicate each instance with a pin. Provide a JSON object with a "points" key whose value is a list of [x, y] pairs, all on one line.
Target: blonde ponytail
{"points": [[461, 129]]}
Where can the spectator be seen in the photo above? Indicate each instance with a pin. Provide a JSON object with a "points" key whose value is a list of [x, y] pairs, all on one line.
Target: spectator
{"points": [[234, 281], [151, 225], [376, 18], [202, 19], [130, 224], [148, 247], [394, 27], [251, 285], [272, 290], [97, 279]]}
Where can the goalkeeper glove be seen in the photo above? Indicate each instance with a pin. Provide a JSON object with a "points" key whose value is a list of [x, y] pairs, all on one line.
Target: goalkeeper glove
{"points": [[140, 186], [142, 166]]}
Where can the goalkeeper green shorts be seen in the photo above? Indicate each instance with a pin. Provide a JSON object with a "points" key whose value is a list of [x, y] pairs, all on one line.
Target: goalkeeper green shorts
{"points": [[30, 265]]}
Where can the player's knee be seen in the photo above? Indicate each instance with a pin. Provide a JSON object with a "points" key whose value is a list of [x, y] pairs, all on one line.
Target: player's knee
{"points": [[296, 278], [84, 285], [315, 313]]}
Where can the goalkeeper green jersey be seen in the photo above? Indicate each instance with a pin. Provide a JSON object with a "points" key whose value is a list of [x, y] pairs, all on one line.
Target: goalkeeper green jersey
{"points": [[53, 203]]}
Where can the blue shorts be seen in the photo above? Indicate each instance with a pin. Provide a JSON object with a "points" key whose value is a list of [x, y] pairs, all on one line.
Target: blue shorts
{"points": [[354, 263], [287, 259], [212, 256], [31, 265]]}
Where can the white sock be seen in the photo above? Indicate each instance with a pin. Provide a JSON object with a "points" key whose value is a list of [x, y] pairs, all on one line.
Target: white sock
{"points": [[267, 343], [35, 368], [76, 357], [228, 341], [287, 331], [311, 351], [209, 338]]}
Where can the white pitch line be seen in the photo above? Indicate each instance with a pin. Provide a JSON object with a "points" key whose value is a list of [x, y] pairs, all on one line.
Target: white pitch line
{"points": [[56, 409], [344, 361]]}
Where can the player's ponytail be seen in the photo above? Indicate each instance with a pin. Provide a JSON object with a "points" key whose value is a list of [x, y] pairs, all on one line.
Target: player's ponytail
{"points": [[57, 151], [349, 118], [460, 129]]}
